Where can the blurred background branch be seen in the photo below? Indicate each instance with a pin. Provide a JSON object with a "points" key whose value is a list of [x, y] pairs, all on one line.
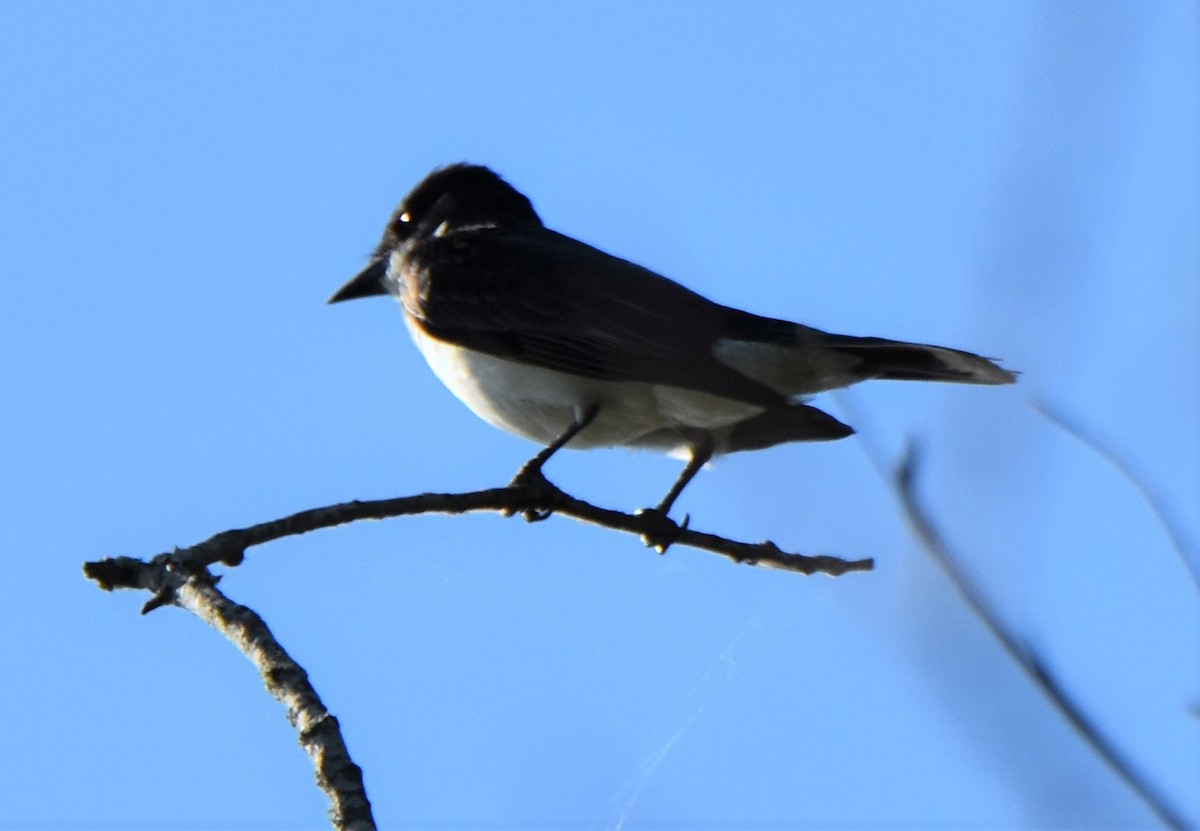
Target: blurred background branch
{"points": [[904, 482]]}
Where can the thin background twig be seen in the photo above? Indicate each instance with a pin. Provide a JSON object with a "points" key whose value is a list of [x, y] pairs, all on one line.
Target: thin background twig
{"points": [[1154, 500], [903, 480]]}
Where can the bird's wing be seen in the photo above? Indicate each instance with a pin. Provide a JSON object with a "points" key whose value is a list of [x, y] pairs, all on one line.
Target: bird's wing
{"points": [[549, 300]]}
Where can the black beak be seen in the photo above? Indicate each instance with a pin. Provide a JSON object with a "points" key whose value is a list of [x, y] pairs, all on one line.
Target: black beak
{"points": [[369, 282]]}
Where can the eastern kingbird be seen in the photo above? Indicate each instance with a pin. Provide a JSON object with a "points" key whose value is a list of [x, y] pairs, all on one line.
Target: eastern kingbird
{"points": [[556, 341]]}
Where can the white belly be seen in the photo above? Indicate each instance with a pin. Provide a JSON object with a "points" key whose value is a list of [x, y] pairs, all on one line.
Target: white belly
{"points": [[539, 404]]}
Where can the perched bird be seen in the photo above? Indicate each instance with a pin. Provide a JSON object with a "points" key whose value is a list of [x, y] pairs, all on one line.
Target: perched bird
{"points": [[559, 342]]}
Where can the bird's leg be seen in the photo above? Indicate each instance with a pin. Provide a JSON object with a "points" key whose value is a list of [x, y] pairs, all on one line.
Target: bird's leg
{"points": [[530, 477], [665, 531], [701, 453]]}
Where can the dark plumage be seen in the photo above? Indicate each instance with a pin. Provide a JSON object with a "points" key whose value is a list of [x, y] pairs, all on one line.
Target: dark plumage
{"points": [[552, 339]]}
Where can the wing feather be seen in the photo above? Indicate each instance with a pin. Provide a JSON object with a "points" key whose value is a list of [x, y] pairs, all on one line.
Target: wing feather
{"points": [[555, 302]]}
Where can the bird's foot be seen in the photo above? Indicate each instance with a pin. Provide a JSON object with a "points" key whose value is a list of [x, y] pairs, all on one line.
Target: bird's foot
{"points": [[661, 531], [541, 494]]}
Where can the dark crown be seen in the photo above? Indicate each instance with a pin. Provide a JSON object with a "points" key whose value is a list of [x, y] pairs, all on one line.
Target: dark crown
{"points": [[457, 196]]}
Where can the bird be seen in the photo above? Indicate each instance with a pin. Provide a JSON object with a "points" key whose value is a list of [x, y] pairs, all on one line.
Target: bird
{"points": [[561, 343]]}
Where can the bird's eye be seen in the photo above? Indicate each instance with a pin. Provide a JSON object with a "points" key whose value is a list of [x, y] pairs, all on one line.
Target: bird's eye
{"points": [[404, 217]]}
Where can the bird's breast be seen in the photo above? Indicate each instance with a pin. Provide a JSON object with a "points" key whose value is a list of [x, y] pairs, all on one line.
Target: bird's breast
{"points": [[539, 403]]}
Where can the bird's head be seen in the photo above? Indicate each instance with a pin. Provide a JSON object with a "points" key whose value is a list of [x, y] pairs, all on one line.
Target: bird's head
{"points": [[448, 199]]}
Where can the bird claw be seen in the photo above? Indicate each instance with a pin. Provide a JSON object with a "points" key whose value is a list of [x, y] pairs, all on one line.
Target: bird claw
{"points": [[661, 531], [536, 488]]}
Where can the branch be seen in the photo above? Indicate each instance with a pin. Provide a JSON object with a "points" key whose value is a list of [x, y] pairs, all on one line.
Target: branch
{"points": [[181, 578], [194, 589], [904, 480], [229, 547]]}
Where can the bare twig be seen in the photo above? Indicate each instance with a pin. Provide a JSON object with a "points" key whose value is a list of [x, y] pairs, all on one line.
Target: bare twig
{"points": [[1020, 651], [194, 588], [1154, 501], [181, 578], [229, 547]]}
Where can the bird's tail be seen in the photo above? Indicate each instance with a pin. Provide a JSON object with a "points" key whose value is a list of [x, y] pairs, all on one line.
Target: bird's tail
{"points": [[898, 361], [797, 360]]}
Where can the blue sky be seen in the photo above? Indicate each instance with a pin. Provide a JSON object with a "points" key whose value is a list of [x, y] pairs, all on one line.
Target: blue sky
{"points": [[182, 186]]}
